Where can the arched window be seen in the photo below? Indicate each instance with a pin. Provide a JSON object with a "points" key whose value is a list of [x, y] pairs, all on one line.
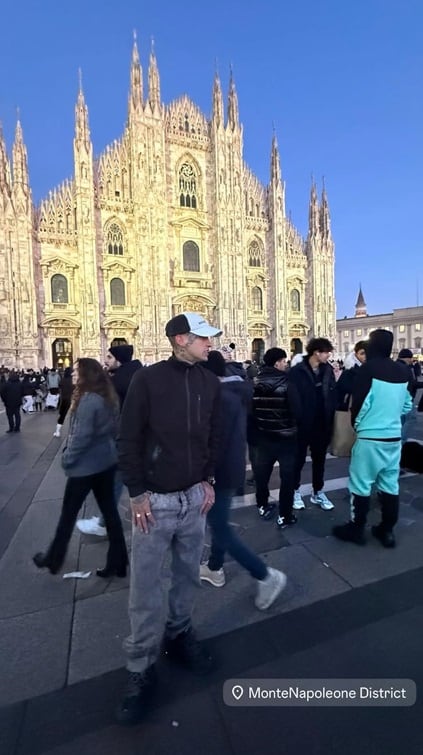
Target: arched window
{"points": [[187, 186], [257, 298], [417, 343], [295, 300], [254, 255], [114, 240], [59, 289], [191, 257], [117, 292]]}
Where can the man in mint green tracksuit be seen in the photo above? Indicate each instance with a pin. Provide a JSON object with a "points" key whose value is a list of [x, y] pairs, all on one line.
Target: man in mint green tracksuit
{"points": [[380, 398]]}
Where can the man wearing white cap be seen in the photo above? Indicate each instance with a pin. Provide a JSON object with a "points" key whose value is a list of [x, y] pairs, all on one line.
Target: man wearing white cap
{"points": [[168, 445]]}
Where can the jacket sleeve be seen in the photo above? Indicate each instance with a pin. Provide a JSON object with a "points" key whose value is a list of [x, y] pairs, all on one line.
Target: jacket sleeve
{"points": [[82, 432], [214, 434], [294, 399], [361, 388], [132, 435]]}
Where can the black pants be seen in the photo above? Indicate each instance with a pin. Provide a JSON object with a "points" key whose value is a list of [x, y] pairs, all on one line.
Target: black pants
{"points": [[63, 410], [76, 491], [318, 441], [14, 417], [268, 451]]}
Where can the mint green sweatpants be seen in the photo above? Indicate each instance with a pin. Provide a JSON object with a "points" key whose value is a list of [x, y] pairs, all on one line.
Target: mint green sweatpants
{"points": [[374, 462]]}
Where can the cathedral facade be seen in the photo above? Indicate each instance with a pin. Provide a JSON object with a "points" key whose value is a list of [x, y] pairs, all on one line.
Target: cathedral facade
{"points": [[169, 218]]}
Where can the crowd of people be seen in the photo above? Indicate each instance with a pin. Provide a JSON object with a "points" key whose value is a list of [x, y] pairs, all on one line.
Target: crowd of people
{"points": [[176, 435]]}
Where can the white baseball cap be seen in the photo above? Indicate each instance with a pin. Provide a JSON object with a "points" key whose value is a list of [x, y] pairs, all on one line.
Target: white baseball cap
{"points": [[191, 322]]}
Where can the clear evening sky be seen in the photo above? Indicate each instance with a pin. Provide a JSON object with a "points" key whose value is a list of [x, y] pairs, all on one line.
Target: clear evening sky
{"points": [[341, 82]]}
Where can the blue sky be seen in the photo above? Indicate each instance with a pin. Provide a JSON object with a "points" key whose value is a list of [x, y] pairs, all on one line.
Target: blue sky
{"points": [[341, 82]]}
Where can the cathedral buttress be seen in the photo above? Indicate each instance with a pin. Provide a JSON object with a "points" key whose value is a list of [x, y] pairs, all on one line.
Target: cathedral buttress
{"points": [[277, 278]]}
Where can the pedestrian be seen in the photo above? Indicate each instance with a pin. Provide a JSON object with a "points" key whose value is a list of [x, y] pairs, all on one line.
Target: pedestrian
{"points": [[276, 436], [65, 388], [314, 394], [89, 462], [121, 368], [380, 398], [344, 385], [12, 395], [168, 445], [230, 473]]}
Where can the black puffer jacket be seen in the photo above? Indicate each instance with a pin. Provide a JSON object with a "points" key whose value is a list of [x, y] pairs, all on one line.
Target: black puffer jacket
{"points": [[12, 393], [272, 408]]}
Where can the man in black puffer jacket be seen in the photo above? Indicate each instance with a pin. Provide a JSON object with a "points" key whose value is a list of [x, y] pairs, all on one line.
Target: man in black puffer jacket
{"points": [[276, 430]]}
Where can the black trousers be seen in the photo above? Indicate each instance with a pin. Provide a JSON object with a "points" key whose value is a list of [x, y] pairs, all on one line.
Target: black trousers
{"points": [[14, 418], [267, 452], [63, 410], [318, 441], [76, 491]]}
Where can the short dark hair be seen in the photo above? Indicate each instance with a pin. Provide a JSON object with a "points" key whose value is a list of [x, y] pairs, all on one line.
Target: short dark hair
{"points": [[318, 344], [360, 346], [273, 355]]}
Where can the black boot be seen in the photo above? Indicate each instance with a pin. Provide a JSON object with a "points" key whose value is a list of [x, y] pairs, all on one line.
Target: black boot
{"points": [[186, 650], [137, 696], [111, 571], [350, 533], [386, 537], [41, 561]]}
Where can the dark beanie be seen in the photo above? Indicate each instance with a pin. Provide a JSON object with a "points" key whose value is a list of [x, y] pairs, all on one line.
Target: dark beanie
{"points": [[273, 355], [122, 353], [216, 363], [380, 343], [405, 354]]}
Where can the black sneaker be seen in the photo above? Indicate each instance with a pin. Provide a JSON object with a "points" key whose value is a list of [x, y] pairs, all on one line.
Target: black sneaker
{"points": [[137, 697], [386, 537], [285, 521], [186, 650], [349, 533], [267, 512]]}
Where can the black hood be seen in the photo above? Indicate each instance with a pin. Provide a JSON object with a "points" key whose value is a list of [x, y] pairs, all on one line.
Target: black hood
{"points": [[379, 344]]}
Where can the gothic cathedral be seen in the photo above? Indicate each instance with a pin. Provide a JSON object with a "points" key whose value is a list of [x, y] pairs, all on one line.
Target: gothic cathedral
{"points": [[169, 218]]}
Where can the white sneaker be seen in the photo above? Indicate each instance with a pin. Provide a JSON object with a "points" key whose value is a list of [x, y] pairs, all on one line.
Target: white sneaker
{"points": [[320, 499], [216, 578], [298, 501], [91, 527], [268, 589]]}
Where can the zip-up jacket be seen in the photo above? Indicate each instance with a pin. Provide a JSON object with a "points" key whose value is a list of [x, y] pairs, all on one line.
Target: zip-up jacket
{"points": [[380, 397], [168, 438], [303, 391], [271, 404]]}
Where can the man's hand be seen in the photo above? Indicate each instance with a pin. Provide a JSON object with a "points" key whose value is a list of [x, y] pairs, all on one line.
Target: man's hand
{"points": [[141, 512], [208, 497]]}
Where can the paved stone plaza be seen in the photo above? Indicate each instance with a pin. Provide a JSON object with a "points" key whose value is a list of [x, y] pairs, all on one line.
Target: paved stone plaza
{"points": [[347, 612]]}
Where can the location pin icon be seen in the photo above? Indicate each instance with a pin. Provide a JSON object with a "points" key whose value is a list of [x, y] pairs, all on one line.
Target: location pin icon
{"points": [[237, 691]]}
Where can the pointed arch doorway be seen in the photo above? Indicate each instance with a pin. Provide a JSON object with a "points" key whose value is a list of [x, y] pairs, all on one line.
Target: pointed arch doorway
{"points": [[257, 350]]}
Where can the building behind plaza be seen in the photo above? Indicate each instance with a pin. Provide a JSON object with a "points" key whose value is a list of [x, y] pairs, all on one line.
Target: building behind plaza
{"points": [[406, 324], [169, 218]]}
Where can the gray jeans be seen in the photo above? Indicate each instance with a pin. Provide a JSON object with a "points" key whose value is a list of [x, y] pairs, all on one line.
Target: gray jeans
{"points": [[179, 528]]}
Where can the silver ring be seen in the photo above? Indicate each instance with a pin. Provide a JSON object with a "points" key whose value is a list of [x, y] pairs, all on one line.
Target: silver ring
{"points": [[138, 516], [148, 513]]}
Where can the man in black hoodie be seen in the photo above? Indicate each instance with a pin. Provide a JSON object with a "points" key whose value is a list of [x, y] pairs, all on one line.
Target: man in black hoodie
{"points": [[121, 368], [11, 395]]}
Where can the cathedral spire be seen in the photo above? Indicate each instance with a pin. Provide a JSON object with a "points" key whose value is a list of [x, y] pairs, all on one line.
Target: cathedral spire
{"points": [[153, 81], [360, 305], [233, 112], [275, 164], [82, 130], [217, 102], [20, 160], [313, 212], [136, 88], [324, 214], [4, 165]]}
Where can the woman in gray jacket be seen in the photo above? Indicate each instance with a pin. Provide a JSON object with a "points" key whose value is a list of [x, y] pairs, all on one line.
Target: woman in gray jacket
{"points": [[89, 461]]}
